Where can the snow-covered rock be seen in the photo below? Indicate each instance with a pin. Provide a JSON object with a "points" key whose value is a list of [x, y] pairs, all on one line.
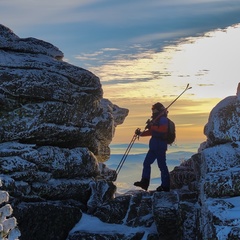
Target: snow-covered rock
{"points": [[56, 128], [142, 215], [223, 124], [46, 101], [47, 219], [220, 170], [214, 173], [8, 224], [10, 41]]}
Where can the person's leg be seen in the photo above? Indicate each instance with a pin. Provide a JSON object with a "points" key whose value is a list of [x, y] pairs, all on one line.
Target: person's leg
{"points": [[165, 178], [149, 159], [146, 172]]}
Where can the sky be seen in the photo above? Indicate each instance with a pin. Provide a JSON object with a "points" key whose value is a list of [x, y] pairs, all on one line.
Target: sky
{"points": [[143, 52]]}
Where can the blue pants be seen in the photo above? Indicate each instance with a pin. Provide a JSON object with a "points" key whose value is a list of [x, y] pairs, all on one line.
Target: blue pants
{"points": [[157, 150]]}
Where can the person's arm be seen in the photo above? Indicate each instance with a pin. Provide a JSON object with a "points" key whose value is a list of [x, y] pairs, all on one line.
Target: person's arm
{"points": [[160, 128], [145, 133]]}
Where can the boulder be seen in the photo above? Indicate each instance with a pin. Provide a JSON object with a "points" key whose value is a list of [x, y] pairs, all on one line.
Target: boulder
{"points": [[46, 220], [220, 169], [56, 128], [223, 124], [167, 216], [47, 101]]}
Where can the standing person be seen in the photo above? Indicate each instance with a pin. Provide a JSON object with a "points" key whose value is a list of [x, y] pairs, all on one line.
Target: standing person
{"points": [[157, 149]]}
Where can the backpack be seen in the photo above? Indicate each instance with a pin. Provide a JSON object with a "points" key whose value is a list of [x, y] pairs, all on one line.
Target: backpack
{"points": [[171, 134]]}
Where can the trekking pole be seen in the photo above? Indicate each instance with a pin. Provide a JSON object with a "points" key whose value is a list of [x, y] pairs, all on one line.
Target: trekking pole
{"points": [[162, 112], [126, 154], [187, 88]]}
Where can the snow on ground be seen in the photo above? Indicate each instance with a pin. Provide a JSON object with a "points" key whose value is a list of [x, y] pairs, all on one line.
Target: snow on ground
{"points": [[94, 225], [227, 210]]}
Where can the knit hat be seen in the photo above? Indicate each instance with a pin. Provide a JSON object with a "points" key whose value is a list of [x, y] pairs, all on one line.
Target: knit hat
{"points": [[158, 106]]}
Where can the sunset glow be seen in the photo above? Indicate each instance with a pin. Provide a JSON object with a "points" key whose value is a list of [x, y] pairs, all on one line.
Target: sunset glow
{"points": [[209, 63]]}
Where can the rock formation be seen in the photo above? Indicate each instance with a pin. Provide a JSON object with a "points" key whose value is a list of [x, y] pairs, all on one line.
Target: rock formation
{"points": [[220, 171], [214, 172], [55, 131], [56, 128]]}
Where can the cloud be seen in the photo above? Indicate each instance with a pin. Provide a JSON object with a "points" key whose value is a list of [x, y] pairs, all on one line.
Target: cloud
{"points": [[89, 56], [28, 12], [102, 56], [107, 12], [173, 34], [110, 49]]}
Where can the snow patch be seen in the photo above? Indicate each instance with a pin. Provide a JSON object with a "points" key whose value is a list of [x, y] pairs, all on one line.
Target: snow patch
{"points": [[93, 224]]}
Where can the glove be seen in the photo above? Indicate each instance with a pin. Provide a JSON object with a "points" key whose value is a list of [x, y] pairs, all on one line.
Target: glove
{"points": [[138, 131], [149, 124]]}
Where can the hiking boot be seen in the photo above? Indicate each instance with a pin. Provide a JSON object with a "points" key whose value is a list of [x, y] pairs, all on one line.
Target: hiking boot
{"points": [[144, 183], [163, 189]]}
